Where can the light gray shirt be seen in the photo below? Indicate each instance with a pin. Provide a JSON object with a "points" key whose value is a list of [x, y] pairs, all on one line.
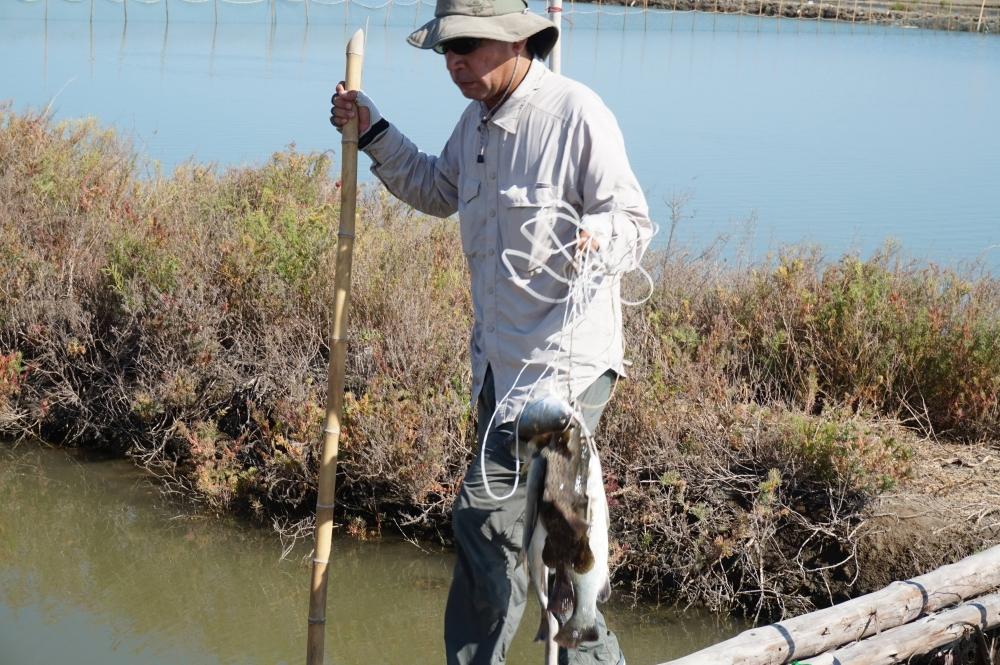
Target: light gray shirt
{"points": [[552, 158]]}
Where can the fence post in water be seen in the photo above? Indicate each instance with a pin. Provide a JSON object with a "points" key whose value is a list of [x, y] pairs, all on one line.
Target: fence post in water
{"points": [[336, 368], [555, 56]]}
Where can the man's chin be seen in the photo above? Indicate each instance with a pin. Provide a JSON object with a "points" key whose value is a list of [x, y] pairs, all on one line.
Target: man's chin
{"points": [[470, 90]]}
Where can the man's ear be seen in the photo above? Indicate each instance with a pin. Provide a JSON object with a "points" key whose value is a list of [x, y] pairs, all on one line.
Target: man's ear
{"points": [[521, 47]]}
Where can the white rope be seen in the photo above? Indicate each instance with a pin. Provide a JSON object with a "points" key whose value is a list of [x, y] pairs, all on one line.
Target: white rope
{"points": [[589, 275]]}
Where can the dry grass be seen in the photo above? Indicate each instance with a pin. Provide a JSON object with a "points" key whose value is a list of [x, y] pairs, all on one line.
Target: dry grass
{"points": [[180, 320]]}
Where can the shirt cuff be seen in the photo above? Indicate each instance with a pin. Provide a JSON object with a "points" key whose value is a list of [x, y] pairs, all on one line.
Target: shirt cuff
{"points": [[383, 146], [373, 133]]}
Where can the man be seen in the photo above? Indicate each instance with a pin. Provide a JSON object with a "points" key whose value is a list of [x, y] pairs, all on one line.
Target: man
{"points": [[537, 171]]}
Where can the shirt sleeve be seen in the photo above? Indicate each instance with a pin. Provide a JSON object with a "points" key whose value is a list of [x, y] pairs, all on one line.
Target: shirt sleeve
{"points": [[614, 207], [426, 182]]}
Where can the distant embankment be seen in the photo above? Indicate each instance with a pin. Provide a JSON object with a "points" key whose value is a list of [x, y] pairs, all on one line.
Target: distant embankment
{"points": [[960, 15]]}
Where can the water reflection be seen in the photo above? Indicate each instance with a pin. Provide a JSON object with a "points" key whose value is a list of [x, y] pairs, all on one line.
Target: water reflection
{"points": [[96, 568]]}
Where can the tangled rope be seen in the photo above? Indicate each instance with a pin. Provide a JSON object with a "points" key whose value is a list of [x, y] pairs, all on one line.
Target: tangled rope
{"points": [[588, 273]]}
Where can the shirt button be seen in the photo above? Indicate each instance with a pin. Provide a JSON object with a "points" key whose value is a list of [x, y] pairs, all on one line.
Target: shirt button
{"points": [[490, 290], [493, 176], [491, 252], [490, 329], [493, 213]]}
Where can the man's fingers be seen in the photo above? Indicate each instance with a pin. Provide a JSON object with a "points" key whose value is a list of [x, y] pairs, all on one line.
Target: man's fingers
{"points": [[587, 243]]}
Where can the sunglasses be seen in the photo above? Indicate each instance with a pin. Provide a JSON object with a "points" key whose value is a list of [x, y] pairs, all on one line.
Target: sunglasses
{"points": [[460, 46]]}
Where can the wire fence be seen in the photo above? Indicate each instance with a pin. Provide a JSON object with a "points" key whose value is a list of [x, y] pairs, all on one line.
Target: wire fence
{"points": [[959, 15]]}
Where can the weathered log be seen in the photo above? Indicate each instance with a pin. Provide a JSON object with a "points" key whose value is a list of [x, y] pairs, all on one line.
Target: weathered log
{"points": [[899, 644], [824, 630]]}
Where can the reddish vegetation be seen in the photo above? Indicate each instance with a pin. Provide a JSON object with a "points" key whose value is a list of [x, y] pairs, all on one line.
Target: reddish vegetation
{"points": [[180, 321]]}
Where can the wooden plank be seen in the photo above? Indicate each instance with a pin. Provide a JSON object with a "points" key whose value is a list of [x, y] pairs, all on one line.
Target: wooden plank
{"points": [[825, 630], [898, 645]]}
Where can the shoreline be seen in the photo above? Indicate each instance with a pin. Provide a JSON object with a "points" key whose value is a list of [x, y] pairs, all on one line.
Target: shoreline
{"points": [[772, 416], [924, 14]]}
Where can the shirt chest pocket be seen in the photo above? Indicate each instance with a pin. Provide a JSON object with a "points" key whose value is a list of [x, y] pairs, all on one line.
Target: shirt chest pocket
{"points": [[534, 226]]}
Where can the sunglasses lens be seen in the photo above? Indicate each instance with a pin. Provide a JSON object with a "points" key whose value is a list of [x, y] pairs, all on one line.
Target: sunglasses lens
{"points": [[460, 46]]}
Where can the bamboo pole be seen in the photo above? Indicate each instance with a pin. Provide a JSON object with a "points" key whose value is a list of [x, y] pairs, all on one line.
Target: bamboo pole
{"points": [[338, 357], [818, 632], [982, 10]]}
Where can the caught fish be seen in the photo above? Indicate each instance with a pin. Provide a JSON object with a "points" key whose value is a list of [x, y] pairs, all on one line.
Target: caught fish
{"points": [[566, 530]]}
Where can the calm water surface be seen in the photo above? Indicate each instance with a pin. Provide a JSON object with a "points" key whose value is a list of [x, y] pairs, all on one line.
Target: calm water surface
{"points": [[827, 133], [96, 569]]}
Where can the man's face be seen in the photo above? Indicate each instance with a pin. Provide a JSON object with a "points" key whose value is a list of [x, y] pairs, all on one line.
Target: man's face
{"points": [[484, 73]]}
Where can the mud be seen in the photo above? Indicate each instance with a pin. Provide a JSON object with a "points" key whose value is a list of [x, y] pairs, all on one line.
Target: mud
{"points": [[948, 509]]}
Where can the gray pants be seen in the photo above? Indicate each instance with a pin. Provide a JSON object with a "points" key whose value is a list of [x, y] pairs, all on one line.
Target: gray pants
{"points": [[489, 589]]}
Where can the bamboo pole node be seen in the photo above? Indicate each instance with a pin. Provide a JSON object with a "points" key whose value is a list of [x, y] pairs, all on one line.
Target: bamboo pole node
{"points": [[344, 234], [316, 622], [324, 506]]}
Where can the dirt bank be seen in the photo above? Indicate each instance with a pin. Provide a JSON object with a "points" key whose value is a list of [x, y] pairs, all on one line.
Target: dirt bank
{"points": [[950, 507], [960, 15]]}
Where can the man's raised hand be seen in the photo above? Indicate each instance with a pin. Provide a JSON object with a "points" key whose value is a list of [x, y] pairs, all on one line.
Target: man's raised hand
{"points": [[347, 103]]}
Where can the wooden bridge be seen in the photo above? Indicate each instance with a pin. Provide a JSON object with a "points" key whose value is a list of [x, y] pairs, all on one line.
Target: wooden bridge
{"points": [[906, 619]]}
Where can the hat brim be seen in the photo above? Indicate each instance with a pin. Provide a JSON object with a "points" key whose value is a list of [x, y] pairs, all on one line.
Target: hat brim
{"points": [[514, 27]]}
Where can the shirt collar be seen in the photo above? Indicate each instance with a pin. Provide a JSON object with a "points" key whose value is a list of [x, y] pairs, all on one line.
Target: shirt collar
{"points": [[508, 113]]}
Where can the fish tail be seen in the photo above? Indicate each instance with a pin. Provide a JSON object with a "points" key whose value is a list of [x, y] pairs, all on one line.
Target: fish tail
{"points": [[578, 629]]}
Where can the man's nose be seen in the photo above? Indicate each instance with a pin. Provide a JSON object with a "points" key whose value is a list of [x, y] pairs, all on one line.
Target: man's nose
{"points": [[452, 61]]}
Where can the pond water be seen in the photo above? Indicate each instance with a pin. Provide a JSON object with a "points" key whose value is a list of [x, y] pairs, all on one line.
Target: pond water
{"points": [[96, 568], [776, 131]]}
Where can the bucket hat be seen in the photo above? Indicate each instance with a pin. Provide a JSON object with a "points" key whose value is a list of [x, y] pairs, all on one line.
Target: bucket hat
{"points": [[502, 20]]}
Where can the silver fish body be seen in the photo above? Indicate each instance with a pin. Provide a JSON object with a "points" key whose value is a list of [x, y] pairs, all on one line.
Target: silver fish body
{"points": [[593, 585], [566, 530]]}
